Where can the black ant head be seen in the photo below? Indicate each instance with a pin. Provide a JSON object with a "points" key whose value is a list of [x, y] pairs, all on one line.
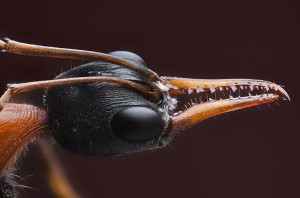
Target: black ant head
{"points": [[105, 118]]}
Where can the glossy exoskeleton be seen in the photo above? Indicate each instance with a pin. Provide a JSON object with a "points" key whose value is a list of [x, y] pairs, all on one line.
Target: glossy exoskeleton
{"points": [[104, 118]]}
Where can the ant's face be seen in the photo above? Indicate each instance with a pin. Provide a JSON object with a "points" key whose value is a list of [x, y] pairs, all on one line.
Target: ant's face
{"points": [[106, 118]]}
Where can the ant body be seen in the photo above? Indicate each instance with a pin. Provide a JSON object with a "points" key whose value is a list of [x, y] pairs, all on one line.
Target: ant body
{"points": [[113, 105]]}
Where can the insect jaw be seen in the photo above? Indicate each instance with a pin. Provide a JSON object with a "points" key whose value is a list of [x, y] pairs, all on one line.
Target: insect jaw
{"points": [[199, 99]]}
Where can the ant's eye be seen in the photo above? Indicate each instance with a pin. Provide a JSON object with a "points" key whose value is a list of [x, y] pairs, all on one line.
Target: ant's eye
{"points": [[137, 124], [128, 56]]}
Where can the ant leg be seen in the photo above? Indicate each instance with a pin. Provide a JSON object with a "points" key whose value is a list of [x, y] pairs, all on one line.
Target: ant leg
{"points": [[7, 45], [14, 89], [58, 181]]}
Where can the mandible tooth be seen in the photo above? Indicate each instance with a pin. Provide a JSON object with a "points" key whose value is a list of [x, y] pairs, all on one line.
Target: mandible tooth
{"points": [[190, 91], [199, 89], [267, 88], [251, 87], [233, 88]]}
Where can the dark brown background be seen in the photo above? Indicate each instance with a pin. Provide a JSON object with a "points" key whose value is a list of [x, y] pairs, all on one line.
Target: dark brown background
{"points": [[252, 153]]}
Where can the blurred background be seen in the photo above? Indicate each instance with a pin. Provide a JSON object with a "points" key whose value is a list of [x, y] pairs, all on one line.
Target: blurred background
{"points": [[251, 153]]}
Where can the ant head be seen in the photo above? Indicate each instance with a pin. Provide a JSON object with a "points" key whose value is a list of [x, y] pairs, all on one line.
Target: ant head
{"points": [[107, 118]]}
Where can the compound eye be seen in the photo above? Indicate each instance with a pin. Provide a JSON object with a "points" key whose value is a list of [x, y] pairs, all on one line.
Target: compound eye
{"points": [[129, 56], [137, 124]]}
